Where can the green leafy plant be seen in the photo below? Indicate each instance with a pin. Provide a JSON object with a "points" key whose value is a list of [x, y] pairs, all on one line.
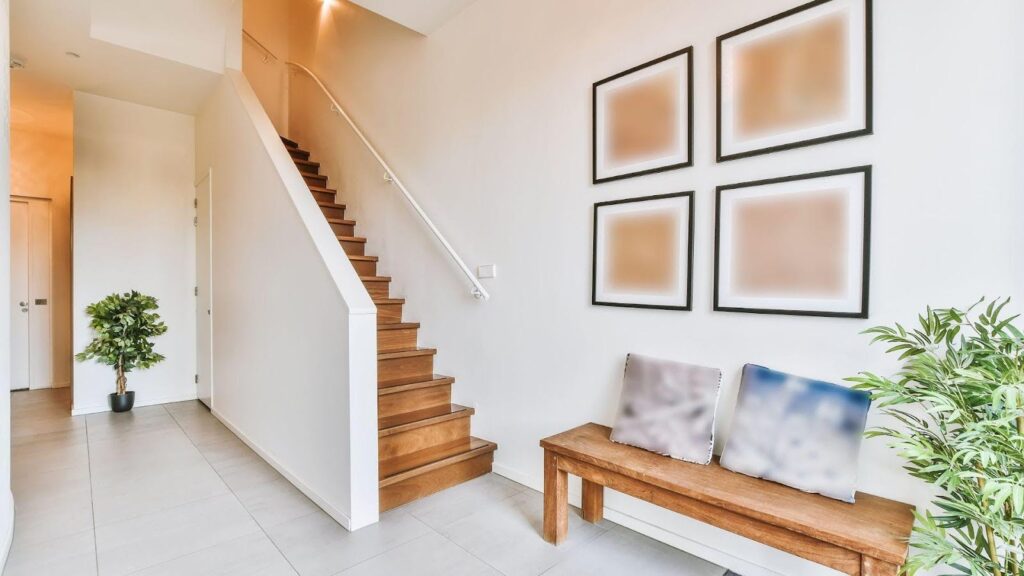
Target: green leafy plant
{"points": [[124, 325], [960, 399]]}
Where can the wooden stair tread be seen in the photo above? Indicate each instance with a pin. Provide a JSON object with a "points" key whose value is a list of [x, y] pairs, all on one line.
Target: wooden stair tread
{"points": [[309, 163], [375, 278], [406, 353], [313, 176], [341, 221], [394, 470], [389, 300], [399, 326], [420, 418], [344, 238], [289, 143], [363, 258], [414, 383], [323, 204], [322, 189]]}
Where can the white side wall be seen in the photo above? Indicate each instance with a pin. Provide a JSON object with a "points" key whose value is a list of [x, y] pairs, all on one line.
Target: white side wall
{"points": [[294, 331], [267, 22], [6, 498], [487, 121], [134, 168]]}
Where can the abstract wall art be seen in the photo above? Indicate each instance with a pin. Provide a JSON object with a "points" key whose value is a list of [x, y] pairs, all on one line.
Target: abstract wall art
{"points": [[799, 78], [668, 407], [643, 252], [796, 245], [796, 431], [643, 119]]}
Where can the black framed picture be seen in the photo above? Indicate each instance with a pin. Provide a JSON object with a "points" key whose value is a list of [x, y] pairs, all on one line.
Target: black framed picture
{"points": [[643, 119], [796, 245], [643, 252], [799, 78]]}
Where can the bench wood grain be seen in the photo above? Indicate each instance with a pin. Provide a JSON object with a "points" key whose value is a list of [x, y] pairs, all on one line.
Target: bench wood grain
{"points": [[868, 538]]}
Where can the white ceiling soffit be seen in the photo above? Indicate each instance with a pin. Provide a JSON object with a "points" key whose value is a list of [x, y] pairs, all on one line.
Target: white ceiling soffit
{"points": [[44, 31], [423, 16]]}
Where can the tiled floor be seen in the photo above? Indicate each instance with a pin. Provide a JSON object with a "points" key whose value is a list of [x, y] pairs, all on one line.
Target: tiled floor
{"points": [[168, 490]]}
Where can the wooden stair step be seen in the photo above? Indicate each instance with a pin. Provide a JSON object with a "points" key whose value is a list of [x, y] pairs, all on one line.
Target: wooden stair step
{"points": [[298, 153], [364, 265], [407, 421], [399, 326], [331, 209], [388, 309], [457, 462], [307, 165], [415, 394], [323, 204], [397, 336], [289, 143], [405, 364], [377, 286], [394, 470], [413, 383], [309, 176]]}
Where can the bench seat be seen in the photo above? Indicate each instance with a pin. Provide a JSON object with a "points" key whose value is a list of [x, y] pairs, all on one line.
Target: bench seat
{"points": [[868, 538]]}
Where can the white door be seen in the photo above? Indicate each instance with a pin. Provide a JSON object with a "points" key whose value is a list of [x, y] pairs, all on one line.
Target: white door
{"points": [[19, 296], [204, 312]]}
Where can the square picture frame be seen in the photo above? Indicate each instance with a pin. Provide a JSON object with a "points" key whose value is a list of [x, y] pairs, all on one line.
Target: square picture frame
{"points": [[798, 245], [643, 119], [643, 252], [799, 78]]}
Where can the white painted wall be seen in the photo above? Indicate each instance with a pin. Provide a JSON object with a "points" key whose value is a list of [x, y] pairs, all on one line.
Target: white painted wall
{"points": [[294, 331], [488, 122], [134, 168], [267, 22], [188, 31], [6, 498]]}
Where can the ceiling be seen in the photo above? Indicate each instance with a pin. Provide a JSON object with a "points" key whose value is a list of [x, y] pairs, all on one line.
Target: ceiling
{"points": [[39, 105], [42, 31], [423, 16]]}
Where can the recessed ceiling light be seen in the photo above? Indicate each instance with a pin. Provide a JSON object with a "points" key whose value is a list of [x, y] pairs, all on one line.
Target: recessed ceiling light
{"points": [[73, 54]]}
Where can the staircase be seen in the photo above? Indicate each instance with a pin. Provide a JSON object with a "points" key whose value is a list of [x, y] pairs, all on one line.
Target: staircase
{"points": [[424, 443]]}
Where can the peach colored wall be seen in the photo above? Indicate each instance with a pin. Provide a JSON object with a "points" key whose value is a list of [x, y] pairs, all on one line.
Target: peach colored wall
{"points": [[41, 167], [267, 21]]}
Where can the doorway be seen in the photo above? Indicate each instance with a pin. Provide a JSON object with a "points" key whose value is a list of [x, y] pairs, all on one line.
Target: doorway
{"points": [[31, 328], [204, 312]]}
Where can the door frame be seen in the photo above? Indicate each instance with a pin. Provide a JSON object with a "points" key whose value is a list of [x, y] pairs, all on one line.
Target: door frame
{"points": [[204, 289]]}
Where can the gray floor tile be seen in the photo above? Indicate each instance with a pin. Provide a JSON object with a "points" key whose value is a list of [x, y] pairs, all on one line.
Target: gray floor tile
{"points": [[73, 555], [253, 555], [621, 551], [131, 545], [275, 502], [317, 546], [507, 535], [447, 506], [431, 555]]}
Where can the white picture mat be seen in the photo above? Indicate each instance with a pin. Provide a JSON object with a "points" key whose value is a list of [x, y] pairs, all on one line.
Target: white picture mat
{"points": [[681, 155], [680, 297], [856, 118], [854, 186]]}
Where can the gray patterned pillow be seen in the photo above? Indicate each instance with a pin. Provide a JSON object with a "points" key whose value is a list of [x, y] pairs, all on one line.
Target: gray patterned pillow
{"points": [[669, 408]]}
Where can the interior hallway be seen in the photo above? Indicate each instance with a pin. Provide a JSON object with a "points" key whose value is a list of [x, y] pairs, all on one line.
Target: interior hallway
{"points": [[168, 490]]}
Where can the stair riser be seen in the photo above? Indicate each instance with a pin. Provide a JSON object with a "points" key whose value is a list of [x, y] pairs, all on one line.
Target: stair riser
{"points": [[365, 268], [343, 229], [409, 367], [300, 154], [315, 180], [323, 197], [402, 402], [308, 168], [333, 212], [378, 289], [423, 438], [391, 340], [389, 313], [417, 487], [354, 248]]}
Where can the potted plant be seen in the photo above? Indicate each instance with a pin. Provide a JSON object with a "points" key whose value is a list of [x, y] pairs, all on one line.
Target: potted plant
{"points": [[124, 325], [959, 398]]}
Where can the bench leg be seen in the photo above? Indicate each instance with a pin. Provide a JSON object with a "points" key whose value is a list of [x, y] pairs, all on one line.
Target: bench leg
{"points": [[556, 500], [593, 501], [871, 567]]}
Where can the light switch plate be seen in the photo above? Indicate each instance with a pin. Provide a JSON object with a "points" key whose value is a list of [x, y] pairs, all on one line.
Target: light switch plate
{"points": [[487, 271]]}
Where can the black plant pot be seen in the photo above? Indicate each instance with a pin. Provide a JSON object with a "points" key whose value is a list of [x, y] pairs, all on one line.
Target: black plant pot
{"points": [[122, 403]]}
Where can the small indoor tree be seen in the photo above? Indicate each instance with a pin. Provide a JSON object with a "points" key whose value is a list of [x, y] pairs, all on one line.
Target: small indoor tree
{"points": [[124, 325], [959, 398]]}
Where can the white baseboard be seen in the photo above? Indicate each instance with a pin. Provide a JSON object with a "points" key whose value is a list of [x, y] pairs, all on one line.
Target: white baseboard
{"points": [[75, 411], [674, 539], [7, 527], [339, 516]]}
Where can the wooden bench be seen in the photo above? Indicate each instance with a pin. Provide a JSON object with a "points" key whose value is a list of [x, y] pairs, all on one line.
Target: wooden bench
{"points": [[868, 538]]}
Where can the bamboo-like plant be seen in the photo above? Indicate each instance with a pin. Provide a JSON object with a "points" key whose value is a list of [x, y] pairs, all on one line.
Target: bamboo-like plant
{"points": [[960, 399], [124, 325]]}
